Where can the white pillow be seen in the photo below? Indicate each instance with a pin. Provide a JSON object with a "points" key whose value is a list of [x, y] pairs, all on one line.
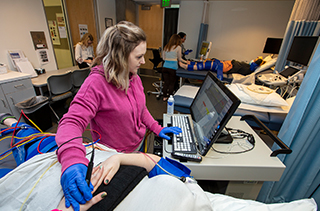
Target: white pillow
{"points": [[257, 95], [266, 65], [222, 202]]}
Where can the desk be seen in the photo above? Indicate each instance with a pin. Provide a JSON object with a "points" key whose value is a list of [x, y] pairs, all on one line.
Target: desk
{"points": [[245, 172], [199, 75], [41, 80]]}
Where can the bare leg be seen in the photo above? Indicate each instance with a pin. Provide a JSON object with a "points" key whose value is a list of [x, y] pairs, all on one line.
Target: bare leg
{"points": [[7, 119]]}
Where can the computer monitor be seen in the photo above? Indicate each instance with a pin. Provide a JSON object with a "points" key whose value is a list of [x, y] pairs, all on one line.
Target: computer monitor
{"points": [[211, 110], [302, 49], [272, 45], [205, 49]]}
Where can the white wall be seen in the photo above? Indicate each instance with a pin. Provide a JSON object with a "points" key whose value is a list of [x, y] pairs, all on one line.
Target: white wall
{"points": [[18, 18], [190, 16], [106, 9], [237, 29]]}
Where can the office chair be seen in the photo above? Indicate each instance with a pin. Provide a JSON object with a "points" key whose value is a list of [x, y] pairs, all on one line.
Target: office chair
{"points": [[78, 77], [60, 88], [159, 84], [156, 58]]}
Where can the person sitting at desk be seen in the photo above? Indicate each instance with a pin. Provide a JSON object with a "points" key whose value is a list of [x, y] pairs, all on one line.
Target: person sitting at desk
{"points": [[227, 66], [84, 51]]}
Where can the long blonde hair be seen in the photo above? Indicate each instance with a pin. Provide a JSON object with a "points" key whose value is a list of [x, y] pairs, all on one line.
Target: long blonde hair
{"points": [[174, 42], [84, 40], [113, 51]]}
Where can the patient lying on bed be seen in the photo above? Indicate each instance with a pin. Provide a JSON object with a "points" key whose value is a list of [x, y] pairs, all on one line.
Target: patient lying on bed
{"points": [[227, 66], [35, 185]]}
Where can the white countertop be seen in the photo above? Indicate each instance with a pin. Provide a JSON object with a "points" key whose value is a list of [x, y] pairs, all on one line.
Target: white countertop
{"points": [[12, 75], [255, 165]]}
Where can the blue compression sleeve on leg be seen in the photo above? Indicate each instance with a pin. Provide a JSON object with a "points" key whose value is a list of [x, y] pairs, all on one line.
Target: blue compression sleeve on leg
{"points": [[200, 66], [172, 167], [190, 67], [207, 65], [218, 67], [192, 62]]}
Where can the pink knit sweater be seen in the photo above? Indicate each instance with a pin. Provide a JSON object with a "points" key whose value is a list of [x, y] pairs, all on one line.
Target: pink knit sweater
{"points": [[120, 118]]}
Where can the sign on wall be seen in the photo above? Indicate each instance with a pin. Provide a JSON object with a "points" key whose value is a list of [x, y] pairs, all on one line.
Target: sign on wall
{"points": [[83, 28]]}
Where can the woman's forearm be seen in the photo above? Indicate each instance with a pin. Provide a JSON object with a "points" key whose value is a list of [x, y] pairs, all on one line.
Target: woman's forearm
{"points": [[147, 161]]}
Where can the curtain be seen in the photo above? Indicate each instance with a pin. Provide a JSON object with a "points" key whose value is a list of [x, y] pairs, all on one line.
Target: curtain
{"points": [[306, 10], [301, 132], [295, 28]]}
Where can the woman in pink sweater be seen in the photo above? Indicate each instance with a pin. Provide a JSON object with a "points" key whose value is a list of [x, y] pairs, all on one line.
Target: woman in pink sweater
{"points": [[112, 100]]}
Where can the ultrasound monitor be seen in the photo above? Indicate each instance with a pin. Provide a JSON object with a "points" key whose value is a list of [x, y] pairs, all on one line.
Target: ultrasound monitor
{"points": [[272, 45], [211, 110], [302, 49], [205, 49]]}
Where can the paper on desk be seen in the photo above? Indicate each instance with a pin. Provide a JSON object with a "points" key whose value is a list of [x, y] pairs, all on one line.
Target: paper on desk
{"points": [[25, 66]]}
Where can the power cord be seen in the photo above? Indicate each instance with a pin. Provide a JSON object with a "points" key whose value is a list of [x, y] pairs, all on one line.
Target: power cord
{"points": [[238, 134]]}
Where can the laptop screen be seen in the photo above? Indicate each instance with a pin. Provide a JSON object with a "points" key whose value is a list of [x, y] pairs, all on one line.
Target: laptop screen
{"points": [[290, 71], [211, 109]]}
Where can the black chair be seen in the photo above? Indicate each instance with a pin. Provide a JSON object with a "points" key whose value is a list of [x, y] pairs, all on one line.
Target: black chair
{"points": [[60, 88], [78, 77], [156, 58], [159, 84]]}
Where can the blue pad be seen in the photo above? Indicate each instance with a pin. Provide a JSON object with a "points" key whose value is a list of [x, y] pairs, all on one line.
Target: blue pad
{"points": [[253, 66], [27, 151], [171, 166], [4, 171]]}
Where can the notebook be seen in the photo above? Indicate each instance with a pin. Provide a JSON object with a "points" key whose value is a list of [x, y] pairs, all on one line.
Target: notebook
{"points": [[211, 109]]}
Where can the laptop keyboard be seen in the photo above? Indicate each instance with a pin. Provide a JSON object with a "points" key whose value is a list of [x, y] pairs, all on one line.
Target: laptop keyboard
{"points": [[183, 142]]}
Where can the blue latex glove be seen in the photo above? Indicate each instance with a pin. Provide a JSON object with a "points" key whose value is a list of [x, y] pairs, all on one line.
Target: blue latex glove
{"points": [[74, 186], [187, 51], [175, 130]]}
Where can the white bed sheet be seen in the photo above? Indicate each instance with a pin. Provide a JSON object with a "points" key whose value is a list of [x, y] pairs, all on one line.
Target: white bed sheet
{"points": [[35, 185]]}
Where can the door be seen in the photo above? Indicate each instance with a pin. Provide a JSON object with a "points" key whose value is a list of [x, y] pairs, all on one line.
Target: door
{"points": [[59, 33], [65, 20], [81, 16]]}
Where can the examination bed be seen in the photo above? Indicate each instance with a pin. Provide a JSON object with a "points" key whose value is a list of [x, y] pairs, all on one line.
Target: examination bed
{"points": [[35, 185], [271, 116]]}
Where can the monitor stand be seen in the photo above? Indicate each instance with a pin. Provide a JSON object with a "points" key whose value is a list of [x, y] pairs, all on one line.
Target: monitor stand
{"points": [[224, 138]]}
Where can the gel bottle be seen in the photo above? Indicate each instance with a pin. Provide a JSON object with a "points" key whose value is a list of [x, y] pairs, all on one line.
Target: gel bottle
{"points": [[170, 105]]}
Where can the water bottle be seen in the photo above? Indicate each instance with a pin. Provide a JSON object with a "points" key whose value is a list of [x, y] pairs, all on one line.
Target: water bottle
{"points": [[170, 105]]}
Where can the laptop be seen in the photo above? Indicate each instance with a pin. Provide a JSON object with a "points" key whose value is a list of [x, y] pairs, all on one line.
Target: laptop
{"points": [[211, 109], [280, 78]]}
